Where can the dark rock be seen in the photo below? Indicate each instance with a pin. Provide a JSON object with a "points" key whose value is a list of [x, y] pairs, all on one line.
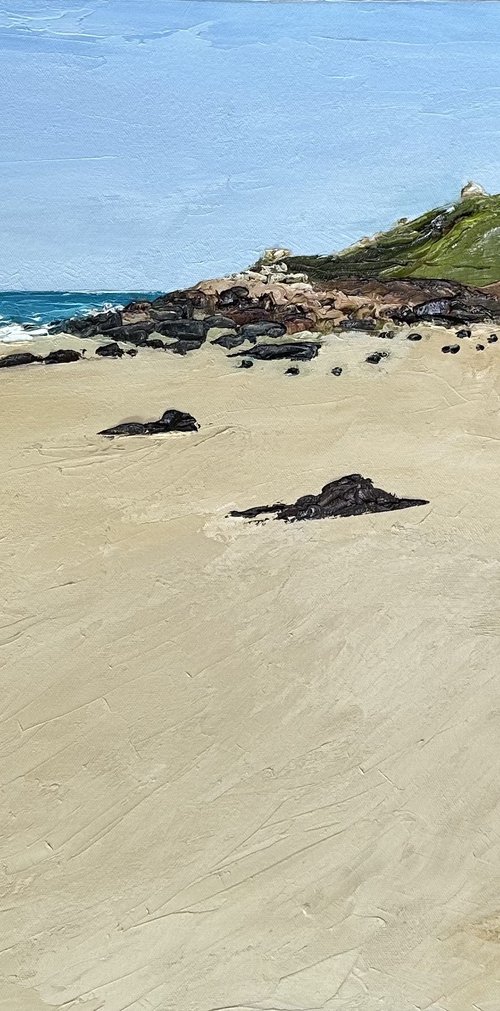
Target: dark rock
{"points": [[229, 341], [267, 352], [61, 357], [352, 495], [386, 334], [154, 342], [414, 337], [170, 421], [357, 324], [263, 328], [376, 357], [233, 296], [165, 314], [292, 371], [250, 314], [492, 339], [472, 308], [479, 347], [454, 349], [245, 364], [88, 326], [464, 333], [217, 320], [446, 349], [20, 358], [178, 301], [132, 352], [132, 333], [184, 347], [112, 350], [337, 371], [185, 329]]}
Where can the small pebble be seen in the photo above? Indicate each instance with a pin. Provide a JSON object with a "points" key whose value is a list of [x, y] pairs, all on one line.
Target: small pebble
{"points": [[463, 333], [387, 334], [132, 352], [492, 339], [337, 371], [414, 337], [446, 349], [292, 371], [455, 348], [245, 364], [479, 347]]}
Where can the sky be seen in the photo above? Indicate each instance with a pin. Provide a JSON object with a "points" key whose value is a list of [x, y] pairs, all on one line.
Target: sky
{"points": [[146, 144]]}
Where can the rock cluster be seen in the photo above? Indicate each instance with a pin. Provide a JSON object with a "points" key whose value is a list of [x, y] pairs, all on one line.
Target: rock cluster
{"points": [[352, 495]]}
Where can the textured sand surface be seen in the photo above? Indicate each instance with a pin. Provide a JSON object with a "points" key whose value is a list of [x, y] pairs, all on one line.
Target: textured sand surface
{"points": [[250, 767]]}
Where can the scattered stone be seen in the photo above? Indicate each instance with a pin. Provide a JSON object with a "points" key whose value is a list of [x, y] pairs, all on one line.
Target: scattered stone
{"points": [[299, 351], [112, 350], [292, 371], [132, 352], [20, 358], [245, 364], [479, 347], [337, 371], [170, 421], [446, 349], [414, 337], [387, 334], [492, 339], [352, 495], [464, 333], [376, 357], [454, 349], [61, 357]]}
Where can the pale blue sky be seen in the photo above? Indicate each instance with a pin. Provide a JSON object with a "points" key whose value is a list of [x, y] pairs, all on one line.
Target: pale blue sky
{"points": [[149, 143]]}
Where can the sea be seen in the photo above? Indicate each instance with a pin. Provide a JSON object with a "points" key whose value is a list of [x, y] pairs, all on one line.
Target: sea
{"points": [[24, 315]]}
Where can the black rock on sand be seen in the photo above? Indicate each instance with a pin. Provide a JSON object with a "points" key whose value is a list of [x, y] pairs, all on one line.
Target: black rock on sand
{"points": [[170, 421], [352, 495], [298, 351]]}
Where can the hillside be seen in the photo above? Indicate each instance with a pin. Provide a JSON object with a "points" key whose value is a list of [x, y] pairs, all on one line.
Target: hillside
{"points": [[457, 243]]}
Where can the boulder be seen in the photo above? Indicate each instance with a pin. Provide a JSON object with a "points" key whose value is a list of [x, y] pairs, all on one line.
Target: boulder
{"points": [[112, 350], [170, 421], [61, 357], [229, 341], [185, 329], [299, 351], [263, 328], [19, 358], [352, 495]]}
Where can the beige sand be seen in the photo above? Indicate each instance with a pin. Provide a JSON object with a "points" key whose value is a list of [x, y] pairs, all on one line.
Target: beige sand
{"points": [[250, 767]]}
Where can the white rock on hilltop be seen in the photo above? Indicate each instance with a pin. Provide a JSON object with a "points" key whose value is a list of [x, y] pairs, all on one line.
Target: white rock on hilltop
{"points": [[472, 189]]}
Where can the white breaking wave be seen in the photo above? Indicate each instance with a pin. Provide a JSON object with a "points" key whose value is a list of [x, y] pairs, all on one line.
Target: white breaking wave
{"points": [[14, 333]]}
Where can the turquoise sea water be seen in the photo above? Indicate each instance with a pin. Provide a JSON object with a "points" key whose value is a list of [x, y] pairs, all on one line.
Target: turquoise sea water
{"points": [[34, 309]]}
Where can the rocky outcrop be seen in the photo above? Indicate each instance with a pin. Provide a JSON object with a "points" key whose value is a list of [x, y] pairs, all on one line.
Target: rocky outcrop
{"points": [[170, 421], [352, 495]]}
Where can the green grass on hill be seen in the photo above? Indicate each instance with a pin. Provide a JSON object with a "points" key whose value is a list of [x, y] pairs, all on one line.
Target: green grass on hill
{"points": [[460, 243]]}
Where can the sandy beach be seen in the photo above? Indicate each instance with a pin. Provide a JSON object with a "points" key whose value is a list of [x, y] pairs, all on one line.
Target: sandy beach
{"points": [[247, 766]]}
